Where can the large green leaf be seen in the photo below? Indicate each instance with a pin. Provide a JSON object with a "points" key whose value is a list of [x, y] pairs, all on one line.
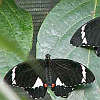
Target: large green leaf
{"points": [[56, 32], [6, 93], [15, 35], [15, 42]]}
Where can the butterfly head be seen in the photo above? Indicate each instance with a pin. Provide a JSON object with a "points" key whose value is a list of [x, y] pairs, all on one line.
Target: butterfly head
{"points": [[47, 56]]}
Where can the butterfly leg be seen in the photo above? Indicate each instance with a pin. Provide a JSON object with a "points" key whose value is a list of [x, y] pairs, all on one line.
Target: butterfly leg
{"points": [[62, 91]]}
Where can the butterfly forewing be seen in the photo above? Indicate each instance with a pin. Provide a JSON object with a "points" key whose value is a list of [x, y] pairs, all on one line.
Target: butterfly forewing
{"points": [[22, 74], [88, 35], [72, 73]]}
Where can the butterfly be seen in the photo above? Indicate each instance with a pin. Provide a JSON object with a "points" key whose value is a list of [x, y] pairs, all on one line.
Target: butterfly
{"points": [[88, 35], [61, 75]]}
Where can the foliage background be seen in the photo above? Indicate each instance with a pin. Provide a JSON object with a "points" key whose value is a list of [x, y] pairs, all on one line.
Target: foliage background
{"points": [[54, 36]]}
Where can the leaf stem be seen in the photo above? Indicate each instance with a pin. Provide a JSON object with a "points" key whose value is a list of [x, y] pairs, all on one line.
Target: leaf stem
{"points": [[88, 58], [95, 6]]}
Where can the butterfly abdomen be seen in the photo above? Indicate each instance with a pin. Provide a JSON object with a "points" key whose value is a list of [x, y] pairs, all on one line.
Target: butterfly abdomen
{"points": [[49, 76]]}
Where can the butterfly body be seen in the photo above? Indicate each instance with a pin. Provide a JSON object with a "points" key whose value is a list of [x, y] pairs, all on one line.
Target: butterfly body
{"points": [[61, 75], [50, 75], [88, 35]]}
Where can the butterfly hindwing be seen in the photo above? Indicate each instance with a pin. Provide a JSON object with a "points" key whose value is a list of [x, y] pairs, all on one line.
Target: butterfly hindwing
{"points": [[97, 51], [24, 76], [37, 92], [62, 91]]}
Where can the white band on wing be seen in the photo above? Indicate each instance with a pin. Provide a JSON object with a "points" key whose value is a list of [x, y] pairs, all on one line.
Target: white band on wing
{"points": [[58, 82], [83, 34], [38, 83], [13, 76], [84, 74]]}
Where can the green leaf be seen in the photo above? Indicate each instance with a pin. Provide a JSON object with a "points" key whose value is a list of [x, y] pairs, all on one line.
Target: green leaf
{"points": [[56, 32], [15, 35], [6, 93]]}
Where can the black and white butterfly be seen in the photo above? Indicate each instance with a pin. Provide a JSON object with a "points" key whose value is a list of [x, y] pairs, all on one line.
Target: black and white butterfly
{"points": [[61, 75], [88, 35]]}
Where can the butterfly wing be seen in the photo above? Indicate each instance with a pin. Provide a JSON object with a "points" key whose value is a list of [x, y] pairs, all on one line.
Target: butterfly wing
{"points": [[61, 90], [97, 51], [72, 73], [69, 75], [23, 75], [88, 34], [20, 76]]}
